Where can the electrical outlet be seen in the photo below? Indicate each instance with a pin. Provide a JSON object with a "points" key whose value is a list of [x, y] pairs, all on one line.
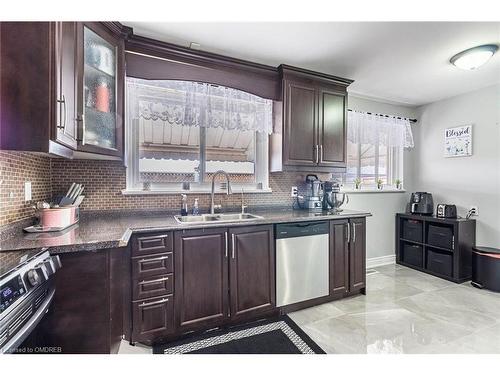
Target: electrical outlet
{"points": [[295, 191], [475, 211], [27, 191]]}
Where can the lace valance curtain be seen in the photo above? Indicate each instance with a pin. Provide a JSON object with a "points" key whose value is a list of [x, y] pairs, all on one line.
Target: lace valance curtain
{"points": [[200, 104], [381, 130]]}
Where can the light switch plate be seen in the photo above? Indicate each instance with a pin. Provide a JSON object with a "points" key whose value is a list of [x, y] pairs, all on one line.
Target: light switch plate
{"points": [[295, 191], [27, 191]]}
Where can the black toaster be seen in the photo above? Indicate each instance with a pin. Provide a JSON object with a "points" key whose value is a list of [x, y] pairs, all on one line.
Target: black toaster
{"points": [[446, 210]]}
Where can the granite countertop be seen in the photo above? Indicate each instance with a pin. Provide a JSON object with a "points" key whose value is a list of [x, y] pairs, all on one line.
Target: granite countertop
{"points": [[109, 229]]}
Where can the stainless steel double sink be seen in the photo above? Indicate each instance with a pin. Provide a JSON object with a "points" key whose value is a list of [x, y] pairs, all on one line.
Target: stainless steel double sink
{"points": [[215, 218]]}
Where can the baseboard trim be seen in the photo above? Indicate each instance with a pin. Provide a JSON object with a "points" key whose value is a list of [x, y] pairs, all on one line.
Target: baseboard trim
{"points": [[380, 261]]}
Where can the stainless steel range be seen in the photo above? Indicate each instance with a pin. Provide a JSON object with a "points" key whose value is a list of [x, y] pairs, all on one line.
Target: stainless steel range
{"points": [[26, 291]]}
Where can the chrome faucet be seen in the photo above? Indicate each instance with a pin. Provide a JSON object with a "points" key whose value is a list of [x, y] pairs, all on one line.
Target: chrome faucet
{"points": [[212, 205], [243, 206]]}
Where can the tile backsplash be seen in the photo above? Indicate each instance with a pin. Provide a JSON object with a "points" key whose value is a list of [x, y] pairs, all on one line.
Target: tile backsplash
{"points": [[15, 169], [104, 181]]}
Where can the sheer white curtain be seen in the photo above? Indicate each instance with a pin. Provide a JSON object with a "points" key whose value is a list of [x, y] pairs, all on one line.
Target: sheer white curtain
{"points": [[201, 104], [380, 130]]}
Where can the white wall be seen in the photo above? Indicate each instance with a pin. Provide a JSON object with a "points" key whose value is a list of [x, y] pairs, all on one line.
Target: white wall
{"points": [[384, 206], [464, 181]]}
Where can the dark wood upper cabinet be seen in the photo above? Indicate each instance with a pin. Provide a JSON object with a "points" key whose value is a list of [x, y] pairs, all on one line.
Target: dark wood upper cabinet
{"points": [[332, 128], [300, 146], [48, 90], [252, 271], [313, 124], [100, 77], [65, 65], [201, 278], [36, 60]]}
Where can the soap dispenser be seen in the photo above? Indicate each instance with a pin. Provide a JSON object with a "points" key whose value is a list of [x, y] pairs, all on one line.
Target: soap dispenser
{"points": [[184, 205], [196, 208]]}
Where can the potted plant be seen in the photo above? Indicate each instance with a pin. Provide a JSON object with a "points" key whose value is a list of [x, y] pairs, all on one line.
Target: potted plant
{"points": [[357, 183], [399, 183], [380, 184]]}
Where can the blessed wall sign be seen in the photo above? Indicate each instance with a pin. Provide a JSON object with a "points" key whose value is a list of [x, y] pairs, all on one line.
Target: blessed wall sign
{"points": [[458, 141]]}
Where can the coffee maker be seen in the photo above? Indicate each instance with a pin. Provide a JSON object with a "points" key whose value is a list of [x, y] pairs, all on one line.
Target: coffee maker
{"points": [[333, 199], [420, 203]]}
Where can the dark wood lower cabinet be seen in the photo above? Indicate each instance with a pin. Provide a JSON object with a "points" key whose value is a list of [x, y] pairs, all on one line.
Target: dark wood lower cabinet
{"points": [[153, 318], [339, 257], [86, 315], [347, 256], [357, 255], [201, 278], [223, 276], [220, 276], [252, 271]]}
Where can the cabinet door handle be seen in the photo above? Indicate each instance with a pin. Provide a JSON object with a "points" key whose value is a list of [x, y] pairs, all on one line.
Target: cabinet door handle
{"points": [[163, 300], [316, 160], [62, 124], [225, 236], [353, 232], [321, 153], [153, 281], [232, 245], [153, 259], [348, 232]]}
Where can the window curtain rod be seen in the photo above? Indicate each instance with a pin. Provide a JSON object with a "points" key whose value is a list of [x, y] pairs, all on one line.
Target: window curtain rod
{"points": [[377, 114]]}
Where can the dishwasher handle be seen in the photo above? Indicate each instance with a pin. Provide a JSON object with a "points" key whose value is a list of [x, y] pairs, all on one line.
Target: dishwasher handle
{"points": [[310, 228]]}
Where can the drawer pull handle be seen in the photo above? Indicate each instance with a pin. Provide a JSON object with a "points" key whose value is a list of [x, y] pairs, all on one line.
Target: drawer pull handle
{"points": [[153, 281], [153, 259], [153, 237], [154, 303]]}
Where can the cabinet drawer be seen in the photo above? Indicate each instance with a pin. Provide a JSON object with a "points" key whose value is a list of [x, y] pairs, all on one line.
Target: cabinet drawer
{"points": [[152, 318], [153, 287], [152, 243], [152, 265]]}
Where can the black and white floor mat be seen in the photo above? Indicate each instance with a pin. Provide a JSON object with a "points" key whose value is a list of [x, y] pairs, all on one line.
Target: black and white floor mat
{"points": [[268, 336]]}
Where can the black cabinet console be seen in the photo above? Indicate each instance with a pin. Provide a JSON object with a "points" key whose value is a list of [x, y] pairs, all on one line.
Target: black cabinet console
{"points": [[438, 246]]}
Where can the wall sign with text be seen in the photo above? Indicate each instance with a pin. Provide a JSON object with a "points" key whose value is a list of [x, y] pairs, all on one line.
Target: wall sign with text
{"points": [[458, 141]]}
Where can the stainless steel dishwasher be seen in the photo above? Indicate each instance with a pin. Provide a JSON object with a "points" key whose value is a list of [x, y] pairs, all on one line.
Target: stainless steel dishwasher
{"points": [[302, 271]]}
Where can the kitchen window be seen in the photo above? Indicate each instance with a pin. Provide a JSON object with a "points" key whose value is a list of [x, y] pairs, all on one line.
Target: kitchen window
{"points": [[179, 133], [370, 163], [375, 145]]}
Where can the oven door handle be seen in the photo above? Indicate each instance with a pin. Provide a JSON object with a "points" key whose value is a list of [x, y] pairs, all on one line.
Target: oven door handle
{"points": [[27, 328]]}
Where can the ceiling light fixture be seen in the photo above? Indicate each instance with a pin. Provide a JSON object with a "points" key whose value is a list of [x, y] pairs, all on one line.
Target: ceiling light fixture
{"points": [[473, 58]]}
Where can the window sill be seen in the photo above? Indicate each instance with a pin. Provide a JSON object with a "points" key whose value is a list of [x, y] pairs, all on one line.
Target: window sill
{"points": [[192, 191], [372, 191]]}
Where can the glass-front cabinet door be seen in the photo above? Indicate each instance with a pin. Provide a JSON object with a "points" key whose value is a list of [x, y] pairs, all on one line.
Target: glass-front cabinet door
{"points": [[101, 91]]}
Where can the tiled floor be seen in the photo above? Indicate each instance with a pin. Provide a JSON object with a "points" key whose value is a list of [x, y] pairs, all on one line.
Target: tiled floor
{"points": [[404, 311]]}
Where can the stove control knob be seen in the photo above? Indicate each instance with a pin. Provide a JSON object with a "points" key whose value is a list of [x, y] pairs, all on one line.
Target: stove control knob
{"points": [[34, 277]]}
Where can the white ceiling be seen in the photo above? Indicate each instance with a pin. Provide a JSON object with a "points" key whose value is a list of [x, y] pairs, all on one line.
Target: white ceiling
{"points": [[402, 62]]}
